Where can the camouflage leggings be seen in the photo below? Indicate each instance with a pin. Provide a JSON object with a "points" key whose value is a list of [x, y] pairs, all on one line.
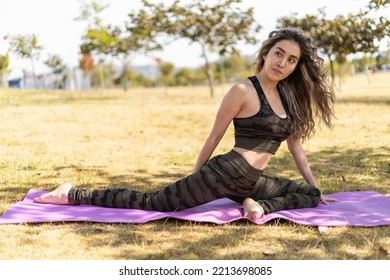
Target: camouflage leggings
{"points": [[227, 175]]}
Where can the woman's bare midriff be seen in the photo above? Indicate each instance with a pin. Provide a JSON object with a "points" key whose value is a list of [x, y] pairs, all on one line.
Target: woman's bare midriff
{"points": [[256, 159]]}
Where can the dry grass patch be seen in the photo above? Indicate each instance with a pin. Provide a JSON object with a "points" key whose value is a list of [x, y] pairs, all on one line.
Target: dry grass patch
{"points": [[146, 138]]}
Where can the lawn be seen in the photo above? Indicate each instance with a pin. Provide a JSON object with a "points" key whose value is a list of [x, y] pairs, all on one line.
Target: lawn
{"points": [[146, 138]]}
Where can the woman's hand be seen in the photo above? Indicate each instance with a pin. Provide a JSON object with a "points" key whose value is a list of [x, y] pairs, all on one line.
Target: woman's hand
{"points": [[326, 200]]}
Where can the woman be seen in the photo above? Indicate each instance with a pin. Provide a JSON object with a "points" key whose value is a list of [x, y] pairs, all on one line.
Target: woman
{"points": [[281, 102]]}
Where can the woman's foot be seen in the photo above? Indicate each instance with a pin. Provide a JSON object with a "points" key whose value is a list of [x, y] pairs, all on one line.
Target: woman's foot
{"points": [[252, 210], [58, 196]]}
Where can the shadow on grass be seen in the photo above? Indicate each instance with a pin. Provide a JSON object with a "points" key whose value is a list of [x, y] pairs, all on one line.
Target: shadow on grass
{"points": [[342, 169], [175, 239], [44, 99], [384, 100], [337, 169]]}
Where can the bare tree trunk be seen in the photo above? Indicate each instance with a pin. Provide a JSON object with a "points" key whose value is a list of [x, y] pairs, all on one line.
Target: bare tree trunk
{"points": [[367, 72], [209, 72], [331, 68], [223, 75], [33, 73], [125, 78], [3, 81], [101, 77], [340, 77]]}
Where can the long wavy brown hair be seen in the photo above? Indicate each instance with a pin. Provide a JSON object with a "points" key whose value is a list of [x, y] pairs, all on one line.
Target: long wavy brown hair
{"points": [[306, 90]]}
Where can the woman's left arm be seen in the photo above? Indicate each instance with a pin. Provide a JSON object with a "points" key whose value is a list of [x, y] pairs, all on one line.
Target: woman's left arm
{"points": [[302, 163]]}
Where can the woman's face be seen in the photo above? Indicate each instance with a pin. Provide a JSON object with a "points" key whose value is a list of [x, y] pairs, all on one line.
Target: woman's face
{"points": [[282, 59]]}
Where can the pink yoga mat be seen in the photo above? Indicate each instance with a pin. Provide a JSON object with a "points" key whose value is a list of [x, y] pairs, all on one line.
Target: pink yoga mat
{"points": [[366, 208]]}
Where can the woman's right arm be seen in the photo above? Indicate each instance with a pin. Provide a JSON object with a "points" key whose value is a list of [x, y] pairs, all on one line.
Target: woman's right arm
{"points": [[231, 105]]}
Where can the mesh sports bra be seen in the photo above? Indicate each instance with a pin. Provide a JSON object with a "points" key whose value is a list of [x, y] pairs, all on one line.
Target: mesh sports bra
{"points": [[263, 131]]}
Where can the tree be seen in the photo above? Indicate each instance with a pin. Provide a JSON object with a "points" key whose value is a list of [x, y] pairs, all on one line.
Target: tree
{"points": [[190, 77], [361, 64], [26, 46], [236, 67], [98, 39], [166, 77], [184, 77], [138, 36], [341, 36], [376, 4], [215, 28], [55, 63], [383, 59], [4, 64], [87, 63]]}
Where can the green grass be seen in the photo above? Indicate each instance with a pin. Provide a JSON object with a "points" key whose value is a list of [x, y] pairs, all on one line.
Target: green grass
{"points": [[146, 138]]}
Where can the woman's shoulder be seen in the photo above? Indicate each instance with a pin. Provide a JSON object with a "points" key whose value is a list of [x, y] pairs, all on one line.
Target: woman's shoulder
{"points": [[242, 88]]}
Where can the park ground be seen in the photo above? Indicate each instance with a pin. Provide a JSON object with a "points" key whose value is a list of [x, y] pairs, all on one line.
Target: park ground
{"points": [[146, 138]]}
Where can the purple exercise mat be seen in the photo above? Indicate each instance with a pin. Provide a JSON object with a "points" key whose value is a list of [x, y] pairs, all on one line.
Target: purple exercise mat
{"points": [[366, 208]]}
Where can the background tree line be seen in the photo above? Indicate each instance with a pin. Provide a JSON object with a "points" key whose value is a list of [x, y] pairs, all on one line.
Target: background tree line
{"points": [[217, 28]]}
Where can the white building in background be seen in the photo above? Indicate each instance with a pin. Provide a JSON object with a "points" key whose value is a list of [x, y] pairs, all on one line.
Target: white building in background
{"points": [[71, 79]]}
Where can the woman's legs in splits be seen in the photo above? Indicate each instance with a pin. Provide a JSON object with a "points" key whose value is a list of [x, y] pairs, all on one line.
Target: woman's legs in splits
{"points": [[273, 194], [223, 176]]}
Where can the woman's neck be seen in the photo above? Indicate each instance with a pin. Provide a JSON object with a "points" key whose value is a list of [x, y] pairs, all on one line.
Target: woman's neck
{"points": [[268, 86]]}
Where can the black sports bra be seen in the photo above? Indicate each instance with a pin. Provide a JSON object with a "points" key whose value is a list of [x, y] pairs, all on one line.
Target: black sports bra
{"points": [[265, 130]]}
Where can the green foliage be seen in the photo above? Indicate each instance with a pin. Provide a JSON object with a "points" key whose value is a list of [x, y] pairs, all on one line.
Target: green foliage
{"points": [[102, 74], [341, 36], [133, 79], [361, 64], [98, 39], [382, 59], [376, 4], [90, 12], [4, 64], [166, 69], [25, 46], [55, 63], [138, 35], [235, 67], [184, 77], [216, 27], [232, 68], [141, 31], [220, 27], [166, 74]]}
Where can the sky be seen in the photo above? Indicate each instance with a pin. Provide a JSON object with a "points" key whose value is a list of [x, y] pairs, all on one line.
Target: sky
{"points": [[58, 32]]}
